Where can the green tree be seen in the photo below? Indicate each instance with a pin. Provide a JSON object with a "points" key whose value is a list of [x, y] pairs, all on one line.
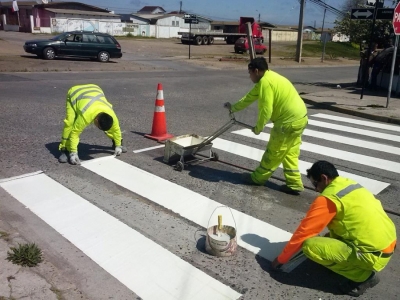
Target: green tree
{"points": [[360, 30]]}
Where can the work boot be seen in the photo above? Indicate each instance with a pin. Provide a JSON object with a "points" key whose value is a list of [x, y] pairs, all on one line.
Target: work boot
{"points": [[249, 181], [124, 150], [63, 157], [284, 188], [356, 289]]}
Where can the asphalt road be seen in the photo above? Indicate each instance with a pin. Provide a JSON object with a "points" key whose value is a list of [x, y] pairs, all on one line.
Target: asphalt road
{"points": [[32, 105]]}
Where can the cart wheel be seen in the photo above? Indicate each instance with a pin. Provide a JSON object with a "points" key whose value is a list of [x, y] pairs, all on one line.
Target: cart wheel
{"points": [[215, 156], [179, 166]]}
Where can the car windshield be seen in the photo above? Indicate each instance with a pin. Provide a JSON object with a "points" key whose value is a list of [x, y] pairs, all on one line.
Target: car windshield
{"points": [[60, 37]]}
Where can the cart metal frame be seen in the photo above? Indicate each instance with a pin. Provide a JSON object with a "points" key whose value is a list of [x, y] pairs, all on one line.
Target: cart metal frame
{"points": [[172, 146]]}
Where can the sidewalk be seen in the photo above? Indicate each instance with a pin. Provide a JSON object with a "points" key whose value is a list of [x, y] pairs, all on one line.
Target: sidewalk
{"points": [[346, 99]]}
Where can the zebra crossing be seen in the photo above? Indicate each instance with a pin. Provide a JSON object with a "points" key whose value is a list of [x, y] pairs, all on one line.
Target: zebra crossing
{"points": [[129, 256], [359, 143]]}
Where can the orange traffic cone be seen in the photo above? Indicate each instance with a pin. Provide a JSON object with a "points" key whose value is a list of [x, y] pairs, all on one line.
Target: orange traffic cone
{"points": [[159, 129]]}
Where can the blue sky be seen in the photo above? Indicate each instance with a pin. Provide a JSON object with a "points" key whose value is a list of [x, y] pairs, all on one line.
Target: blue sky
{"points": [[281, 12]]}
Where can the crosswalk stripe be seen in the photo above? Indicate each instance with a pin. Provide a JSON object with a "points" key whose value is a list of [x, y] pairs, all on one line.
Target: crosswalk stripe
{"points": [[353, 130], [251, 232], [142, 265], [358, 122], [335, 153], [374, 186], [349, 141]]}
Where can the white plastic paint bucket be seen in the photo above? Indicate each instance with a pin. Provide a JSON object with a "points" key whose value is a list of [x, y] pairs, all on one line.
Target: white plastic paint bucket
{"points": [[221, 239]]}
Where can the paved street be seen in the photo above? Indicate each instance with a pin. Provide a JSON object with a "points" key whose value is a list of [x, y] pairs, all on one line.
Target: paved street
{"points": [[134, 228]]}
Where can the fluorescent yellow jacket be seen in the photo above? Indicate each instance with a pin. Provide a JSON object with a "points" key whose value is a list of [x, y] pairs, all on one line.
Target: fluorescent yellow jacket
{"points": [[84, 103], [278, 101], [360, 219]]}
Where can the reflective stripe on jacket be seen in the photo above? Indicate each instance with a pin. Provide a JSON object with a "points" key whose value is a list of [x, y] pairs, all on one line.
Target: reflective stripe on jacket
{"points": [[360, 220], [88, 101]]}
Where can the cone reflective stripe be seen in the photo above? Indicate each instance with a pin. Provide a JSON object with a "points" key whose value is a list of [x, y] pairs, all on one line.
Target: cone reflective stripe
{"points": [[159, 128]]}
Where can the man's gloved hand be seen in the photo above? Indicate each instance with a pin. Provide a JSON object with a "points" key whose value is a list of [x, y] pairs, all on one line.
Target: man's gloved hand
{"points": [[227, 105], [74, 159], [118, 151], [256, 132], [276, 265]]}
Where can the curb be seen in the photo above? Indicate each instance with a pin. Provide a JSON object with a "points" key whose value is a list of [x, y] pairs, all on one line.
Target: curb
{"points": [[353, 112]]}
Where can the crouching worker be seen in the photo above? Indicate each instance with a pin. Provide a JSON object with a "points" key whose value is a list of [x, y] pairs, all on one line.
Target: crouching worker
{"points": [[361, 238], [86, 104]]}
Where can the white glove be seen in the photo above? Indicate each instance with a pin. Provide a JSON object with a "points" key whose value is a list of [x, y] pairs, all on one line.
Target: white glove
{"points": [[227, 105], [118, 151], [74, 159]]}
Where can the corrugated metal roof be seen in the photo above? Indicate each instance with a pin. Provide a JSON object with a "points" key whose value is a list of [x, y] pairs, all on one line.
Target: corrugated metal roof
{"points": [[80, 12]]}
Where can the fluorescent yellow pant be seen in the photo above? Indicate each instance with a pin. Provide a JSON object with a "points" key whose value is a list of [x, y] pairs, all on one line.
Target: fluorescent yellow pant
{"points": [[283, 148], [343, 259]]}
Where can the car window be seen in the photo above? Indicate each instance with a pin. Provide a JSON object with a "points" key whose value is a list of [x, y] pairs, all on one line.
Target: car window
{"points": [[78, 38], [69, 38], [104, 39], [89, 38]]}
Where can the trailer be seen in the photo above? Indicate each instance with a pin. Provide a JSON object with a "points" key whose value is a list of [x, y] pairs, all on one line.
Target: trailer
{"points": [[207, 37]]}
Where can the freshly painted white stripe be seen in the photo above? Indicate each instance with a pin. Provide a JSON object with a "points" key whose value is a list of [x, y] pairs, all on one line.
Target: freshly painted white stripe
{"points": [[370, 133], [142, 265], [21, 176], [365, 160], [147, 149], [374, 186], [358, 122], [251, 232], [348, 141]]}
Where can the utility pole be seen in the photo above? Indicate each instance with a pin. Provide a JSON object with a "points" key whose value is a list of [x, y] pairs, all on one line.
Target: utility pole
{"points": [[259, 18], [322, 35], [300, 33]]}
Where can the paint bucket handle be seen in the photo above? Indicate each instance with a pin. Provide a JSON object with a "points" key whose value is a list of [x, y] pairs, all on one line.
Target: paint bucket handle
{"points": [[234, 221]]}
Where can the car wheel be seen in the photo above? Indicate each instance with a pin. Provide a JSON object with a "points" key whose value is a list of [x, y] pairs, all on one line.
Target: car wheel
{"points": [[263, 52], [210, 40], [103, 56], [49, 53]]}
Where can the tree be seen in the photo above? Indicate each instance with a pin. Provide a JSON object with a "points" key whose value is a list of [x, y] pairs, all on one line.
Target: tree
{"points": [[360, 30]]}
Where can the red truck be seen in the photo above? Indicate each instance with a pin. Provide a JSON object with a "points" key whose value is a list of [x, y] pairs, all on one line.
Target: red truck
{"points": [[207, 37]]}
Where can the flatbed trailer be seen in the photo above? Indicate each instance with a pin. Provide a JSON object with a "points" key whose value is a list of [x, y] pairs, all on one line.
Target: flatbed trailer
{"points": [[207, 38]]}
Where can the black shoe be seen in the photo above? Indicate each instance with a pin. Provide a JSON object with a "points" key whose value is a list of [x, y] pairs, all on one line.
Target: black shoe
{"points": [[356, 289], [249, 181], [284, 188]]}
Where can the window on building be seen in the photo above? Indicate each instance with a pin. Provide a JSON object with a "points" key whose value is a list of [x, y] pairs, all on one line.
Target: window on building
{"points": [[177, 23], [173, 23]]}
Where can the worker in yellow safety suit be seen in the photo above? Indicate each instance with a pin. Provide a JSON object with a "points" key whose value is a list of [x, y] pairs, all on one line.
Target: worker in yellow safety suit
{"points": [[86, 104], [361, 238], [279, 102]]}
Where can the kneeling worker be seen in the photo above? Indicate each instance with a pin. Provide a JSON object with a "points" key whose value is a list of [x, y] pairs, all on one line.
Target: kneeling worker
{"points": [[361, 238], [86, 104]]}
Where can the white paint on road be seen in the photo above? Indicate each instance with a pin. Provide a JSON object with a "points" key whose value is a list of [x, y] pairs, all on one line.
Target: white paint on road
{"points": [[370, 133], [142, 265], [349, 141], [148, 149], [374, 186], [361, 159], [359, 122], [254, 235]]}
